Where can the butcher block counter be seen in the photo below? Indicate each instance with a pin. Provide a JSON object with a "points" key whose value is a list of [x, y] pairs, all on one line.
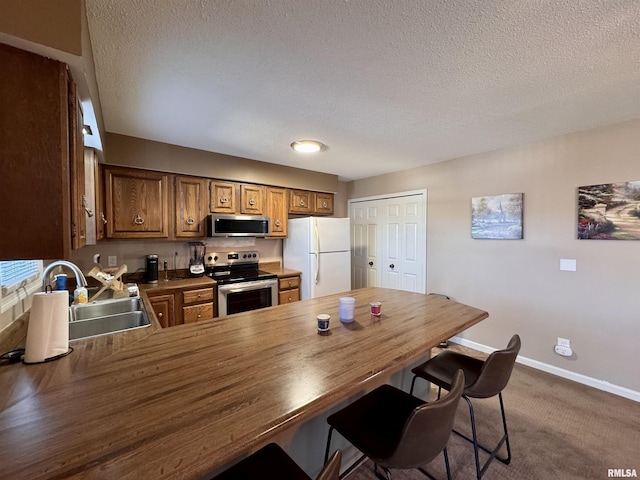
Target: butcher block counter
{"points": [[181, 402]]}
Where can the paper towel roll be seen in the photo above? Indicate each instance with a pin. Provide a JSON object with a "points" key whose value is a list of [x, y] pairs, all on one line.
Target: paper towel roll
{"points": [[48, 331]]}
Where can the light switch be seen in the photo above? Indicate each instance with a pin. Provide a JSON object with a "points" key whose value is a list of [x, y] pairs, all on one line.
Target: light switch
{"points": [[568, 264]]}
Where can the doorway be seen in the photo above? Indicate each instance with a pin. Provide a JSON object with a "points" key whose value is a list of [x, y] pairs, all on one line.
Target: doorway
{"points": [[389, 241]]}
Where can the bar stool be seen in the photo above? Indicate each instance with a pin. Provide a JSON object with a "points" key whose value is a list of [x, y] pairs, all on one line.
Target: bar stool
{"points": [[396, 429], [273, 462], [484, 379]]}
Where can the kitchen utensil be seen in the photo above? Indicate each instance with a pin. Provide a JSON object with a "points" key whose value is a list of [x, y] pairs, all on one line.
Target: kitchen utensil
{"points": [[196, 259]]}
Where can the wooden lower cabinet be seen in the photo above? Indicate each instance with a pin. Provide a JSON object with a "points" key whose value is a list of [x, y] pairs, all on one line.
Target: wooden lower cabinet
{"points": [[198, 304], [179, 306], [288, 289], [164, 308]]}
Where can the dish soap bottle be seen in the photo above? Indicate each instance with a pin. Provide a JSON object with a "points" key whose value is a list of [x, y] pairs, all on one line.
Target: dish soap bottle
{"points": [[80, 295]]}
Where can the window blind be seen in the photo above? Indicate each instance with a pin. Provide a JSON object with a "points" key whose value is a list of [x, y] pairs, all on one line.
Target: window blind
{"points": [[14, 272]]}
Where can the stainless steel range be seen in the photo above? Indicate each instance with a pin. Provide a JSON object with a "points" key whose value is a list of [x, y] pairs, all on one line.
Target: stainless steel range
{"points": [[242, 286]]}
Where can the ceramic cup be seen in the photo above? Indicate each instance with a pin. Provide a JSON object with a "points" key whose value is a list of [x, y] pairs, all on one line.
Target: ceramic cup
{"points": [[347, 309], [376, 307], [323, 322]]}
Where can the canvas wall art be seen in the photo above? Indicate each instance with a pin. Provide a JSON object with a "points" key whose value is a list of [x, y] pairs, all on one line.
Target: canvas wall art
{"points": [[609, 211], [497, 217]]}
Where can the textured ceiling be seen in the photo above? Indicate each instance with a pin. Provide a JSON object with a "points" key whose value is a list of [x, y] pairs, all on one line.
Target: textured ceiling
{"points": [[387, 85]]}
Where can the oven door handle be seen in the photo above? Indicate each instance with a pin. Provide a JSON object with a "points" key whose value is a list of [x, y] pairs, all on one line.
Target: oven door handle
{"points": [[244, 286]]}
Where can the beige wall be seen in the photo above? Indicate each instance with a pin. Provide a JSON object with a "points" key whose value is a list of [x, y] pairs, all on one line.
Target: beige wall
{"points": [[137, 152], [54, 24], [519, 281]]}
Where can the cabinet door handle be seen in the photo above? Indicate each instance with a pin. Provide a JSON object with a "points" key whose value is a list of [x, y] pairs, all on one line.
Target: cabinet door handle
{"points": [[160, 314], [190, 221], [86, 207], [371, 264], [302, 203], [138, 220], [325, 204], [102, 217], [392, 266], [252, 202], [224, 199], [277, 223]]}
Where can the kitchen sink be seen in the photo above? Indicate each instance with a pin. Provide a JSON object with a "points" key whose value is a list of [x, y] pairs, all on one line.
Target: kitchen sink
{"points": [[105, 307], [120, 322], [104, 317]]}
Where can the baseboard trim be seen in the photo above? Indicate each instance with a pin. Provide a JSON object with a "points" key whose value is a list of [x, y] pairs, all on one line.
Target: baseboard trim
{"points": [[560, 372]]}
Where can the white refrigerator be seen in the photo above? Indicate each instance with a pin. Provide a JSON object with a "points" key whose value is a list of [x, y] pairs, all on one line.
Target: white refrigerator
{"points": [[319, 248]]}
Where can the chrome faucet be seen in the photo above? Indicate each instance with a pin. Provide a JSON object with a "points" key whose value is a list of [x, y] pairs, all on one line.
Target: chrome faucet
{"points": [[80, 278]]}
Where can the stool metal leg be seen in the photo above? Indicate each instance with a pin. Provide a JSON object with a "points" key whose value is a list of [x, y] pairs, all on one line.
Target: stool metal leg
{"points": [[476, 445]]}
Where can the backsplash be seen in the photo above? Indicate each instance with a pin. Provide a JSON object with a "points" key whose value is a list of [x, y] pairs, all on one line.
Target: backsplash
{"points": [[175, 253]]}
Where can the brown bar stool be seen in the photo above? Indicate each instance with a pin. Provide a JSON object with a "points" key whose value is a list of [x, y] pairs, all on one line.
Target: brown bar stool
{"points": [[273, 462], [483, 379], [396, 429]]}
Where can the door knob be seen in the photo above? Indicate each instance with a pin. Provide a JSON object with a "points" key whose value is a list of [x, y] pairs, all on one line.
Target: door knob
{"points": [[371, 264], [392, 266]]}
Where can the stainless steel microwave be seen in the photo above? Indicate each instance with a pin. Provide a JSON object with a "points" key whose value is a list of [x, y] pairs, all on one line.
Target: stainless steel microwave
{"points": [[238, 226]]}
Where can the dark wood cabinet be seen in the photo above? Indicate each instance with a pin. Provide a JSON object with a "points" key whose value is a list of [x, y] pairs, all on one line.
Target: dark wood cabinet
{"points": [[137, 203], [190, 205], [222, 197], [277, 211], [324, 203], [300, 201], [198, 304], [40, 140], [164, 308], [288, 289], [179, 305]]}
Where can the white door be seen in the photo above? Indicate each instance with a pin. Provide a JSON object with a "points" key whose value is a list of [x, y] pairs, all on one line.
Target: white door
{"points": [[365, 217], [404, 244], [389, 241]]}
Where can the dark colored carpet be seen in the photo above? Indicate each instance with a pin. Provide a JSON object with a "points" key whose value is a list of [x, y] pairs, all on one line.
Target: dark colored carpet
{"points": [[558, 429]]}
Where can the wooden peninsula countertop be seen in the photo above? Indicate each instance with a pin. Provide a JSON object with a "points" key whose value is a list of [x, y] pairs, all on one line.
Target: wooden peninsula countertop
{"points": [[183, 401]]}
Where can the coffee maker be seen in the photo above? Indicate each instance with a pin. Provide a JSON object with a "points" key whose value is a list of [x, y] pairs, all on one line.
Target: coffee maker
{"points": [[196, 259], [151, 268]]}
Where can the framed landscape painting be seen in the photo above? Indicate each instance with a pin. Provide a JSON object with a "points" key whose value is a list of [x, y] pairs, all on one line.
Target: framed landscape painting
{"points": [[609, 211], [497, 217]]}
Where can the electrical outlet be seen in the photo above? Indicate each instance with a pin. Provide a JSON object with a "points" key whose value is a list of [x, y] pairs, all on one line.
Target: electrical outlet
{"points": [[564, 351], [564, 342], [113, 261]]}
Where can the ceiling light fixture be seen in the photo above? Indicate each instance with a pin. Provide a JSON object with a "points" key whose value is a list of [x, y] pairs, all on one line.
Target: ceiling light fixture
{"points": [[86, 129], [308, 146]]}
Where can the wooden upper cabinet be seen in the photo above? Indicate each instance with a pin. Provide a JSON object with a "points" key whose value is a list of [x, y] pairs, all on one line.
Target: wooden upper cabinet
{"points": [[77, 169], [324, 203], [222, 197], [137, 203], [301, 201], [100, 212], [276, 210], [252, 199], [35, 181], [190, 207]]}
